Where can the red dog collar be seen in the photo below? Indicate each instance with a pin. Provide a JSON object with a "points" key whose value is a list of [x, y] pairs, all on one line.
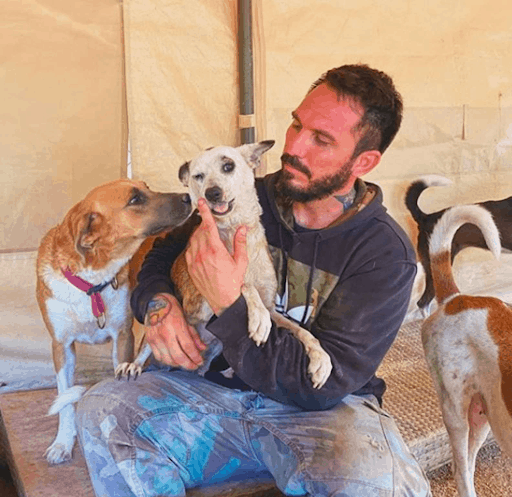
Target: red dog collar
{"points": [[97, 304]]}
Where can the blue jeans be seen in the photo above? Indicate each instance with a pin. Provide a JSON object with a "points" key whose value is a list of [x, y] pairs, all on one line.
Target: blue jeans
{"points": [[169, 431]]}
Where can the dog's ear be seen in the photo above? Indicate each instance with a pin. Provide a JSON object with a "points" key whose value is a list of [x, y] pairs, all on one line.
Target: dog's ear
{"points": [[252, 152], [88, 233], [184, 173]]}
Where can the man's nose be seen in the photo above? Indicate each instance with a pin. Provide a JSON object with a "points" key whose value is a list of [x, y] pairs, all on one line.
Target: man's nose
{"points": [[296, 142]]}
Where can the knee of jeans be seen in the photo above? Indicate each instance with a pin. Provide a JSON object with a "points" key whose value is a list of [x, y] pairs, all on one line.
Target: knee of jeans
{"points": [[98, 402]]}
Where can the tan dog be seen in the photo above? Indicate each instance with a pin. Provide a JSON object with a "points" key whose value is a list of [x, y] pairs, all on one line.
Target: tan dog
{"points": [[82, 281], [468, 347], [224, 176]]}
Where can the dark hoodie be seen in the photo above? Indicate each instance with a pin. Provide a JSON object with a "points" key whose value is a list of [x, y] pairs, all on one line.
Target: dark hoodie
{"points": [[349, 284]]}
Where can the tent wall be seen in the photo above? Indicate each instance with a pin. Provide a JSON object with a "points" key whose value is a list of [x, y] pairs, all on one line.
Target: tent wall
{"points": [[181, 63], [64, 128], [62, 117]]}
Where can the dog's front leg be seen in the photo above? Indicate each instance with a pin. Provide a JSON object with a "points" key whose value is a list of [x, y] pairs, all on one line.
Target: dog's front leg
{"points": [[128, 369], [122, 349], [260, 323], [320, 364], [64, 359]]}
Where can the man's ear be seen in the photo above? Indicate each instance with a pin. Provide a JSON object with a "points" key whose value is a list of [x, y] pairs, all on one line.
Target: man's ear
{"points": [[88, 232], [252, 152], [366, 162], [184, 173]]}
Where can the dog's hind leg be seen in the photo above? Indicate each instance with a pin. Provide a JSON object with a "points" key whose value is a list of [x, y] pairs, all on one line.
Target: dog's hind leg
{"points": [[478, 428], [61, 449], [455, 418]]}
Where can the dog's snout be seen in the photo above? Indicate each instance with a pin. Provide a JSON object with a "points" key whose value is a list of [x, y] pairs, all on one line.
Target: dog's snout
{"points": [[186, 198], [213, 194]]}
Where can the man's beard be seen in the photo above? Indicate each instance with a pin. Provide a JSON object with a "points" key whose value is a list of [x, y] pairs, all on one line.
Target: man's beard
{"points": [[316, 190]]}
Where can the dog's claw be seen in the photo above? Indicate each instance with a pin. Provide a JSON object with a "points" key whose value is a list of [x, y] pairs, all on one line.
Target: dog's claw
{"points": [[58, 453], [128, 370]]}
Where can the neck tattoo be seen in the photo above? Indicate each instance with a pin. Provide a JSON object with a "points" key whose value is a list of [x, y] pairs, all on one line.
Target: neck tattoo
{"points": [[347, 200]]}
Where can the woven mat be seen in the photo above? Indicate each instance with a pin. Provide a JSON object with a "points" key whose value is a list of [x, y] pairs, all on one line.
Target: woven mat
{"points": [[412, 399]]}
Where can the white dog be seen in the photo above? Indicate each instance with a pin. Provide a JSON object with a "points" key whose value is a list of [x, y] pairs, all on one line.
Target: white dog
{"points": [[224, 176]]}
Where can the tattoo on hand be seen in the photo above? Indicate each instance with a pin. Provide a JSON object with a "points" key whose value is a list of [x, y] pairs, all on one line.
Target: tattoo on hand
{"points": [[158, 308]]}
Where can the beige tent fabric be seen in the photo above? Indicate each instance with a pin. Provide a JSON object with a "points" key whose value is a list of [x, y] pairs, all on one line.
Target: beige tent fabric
{"points": [[181, 64], [62, 117]]}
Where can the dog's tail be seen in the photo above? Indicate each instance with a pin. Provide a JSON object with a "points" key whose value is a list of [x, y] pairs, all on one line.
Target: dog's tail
{"points": [[415, 190], [441, 241], [69, 396]]}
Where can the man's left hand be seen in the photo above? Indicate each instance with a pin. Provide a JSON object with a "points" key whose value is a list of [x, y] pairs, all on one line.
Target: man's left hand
{"points": [[217, 274]]}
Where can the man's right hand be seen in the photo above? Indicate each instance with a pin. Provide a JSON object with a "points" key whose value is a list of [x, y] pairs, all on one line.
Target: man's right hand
{"points": [[172, 340]]}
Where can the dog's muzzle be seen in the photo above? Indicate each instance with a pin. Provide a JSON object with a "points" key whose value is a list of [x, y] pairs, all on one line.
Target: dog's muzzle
{"points": [[222, 208], [219, 207]]}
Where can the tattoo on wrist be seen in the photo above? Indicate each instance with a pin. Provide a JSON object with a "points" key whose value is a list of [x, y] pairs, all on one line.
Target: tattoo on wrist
{"points": [[158, 308], [156, 304]]}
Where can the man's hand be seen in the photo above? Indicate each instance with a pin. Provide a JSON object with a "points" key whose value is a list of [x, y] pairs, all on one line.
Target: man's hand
{"points": [[172, 340], [217, 274]]}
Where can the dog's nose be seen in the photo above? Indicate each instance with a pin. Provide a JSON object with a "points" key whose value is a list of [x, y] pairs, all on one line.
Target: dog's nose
{"points": [[186, 199], [213, 194]]}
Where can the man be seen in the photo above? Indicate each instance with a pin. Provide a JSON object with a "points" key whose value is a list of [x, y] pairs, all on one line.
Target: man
{"points": [[345, 271]]}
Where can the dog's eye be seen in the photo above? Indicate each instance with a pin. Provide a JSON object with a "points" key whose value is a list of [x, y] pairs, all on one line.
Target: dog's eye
{"points": [[137, 199], [198, 177], [228, 166]]}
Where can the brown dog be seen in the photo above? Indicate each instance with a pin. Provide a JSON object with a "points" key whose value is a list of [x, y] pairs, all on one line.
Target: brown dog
{"points": [[83, 286]]}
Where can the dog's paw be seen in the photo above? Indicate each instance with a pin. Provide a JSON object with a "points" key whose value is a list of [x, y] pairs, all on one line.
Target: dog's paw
{"points": [[58, 453], [320, 366], [260, 325], [127, 370]]}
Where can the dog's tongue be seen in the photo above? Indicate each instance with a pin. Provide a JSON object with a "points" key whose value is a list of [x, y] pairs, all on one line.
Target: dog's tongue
{"points": [[222, 208]]}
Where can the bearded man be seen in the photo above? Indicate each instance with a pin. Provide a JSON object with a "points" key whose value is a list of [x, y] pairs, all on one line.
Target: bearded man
{"points": [[345, 271]]}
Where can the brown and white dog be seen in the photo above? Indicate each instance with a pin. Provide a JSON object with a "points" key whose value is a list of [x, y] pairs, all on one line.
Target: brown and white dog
{"points": [[467, 236], [468, 348], [82, 281], [224, 176]]}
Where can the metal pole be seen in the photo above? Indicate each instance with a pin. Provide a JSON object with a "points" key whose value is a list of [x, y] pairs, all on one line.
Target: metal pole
{"points": [[245, 71]]}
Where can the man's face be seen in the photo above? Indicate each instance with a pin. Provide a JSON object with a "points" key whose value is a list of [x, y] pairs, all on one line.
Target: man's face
{"points": [[317, 156]]}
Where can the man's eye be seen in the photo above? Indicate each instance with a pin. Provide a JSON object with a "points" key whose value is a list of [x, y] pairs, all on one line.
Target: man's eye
{"points": [[322, 141], [198, 177]]}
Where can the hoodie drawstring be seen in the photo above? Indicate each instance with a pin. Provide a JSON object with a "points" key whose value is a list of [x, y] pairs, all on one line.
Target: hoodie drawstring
{"points": [[310, 280]]}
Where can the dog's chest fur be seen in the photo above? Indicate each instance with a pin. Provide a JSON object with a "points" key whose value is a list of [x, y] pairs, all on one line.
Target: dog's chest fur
{"points": [[69, 308], [260, 271]]}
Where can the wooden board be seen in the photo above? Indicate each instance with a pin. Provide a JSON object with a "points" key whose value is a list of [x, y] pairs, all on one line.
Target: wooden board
{"points": [[26, 432]]}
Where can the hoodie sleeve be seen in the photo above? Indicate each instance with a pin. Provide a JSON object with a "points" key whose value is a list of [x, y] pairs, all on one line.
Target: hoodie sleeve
{"points": [[155, 274], [355, 326]]}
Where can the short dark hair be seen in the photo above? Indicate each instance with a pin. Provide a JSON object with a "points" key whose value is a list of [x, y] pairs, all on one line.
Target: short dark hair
{"points": [[375, 92]]}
